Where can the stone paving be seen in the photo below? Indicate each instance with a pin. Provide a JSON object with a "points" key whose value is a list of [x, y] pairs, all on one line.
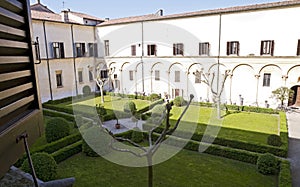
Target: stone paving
{"points": [[293, 118], [126, 124]]}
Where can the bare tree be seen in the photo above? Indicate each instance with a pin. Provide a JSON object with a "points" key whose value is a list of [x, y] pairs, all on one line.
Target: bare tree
{"points": [[282, 94], [153, 145], [101, 80], [216, 92]]}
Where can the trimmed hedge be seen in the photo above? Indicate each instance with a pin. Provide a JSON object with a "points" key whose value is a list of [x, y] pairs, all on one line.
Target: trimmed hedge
{"points": [[56, 129], [137, 135], [237, 144], [267, 164], [44, 165], [179, 101], [274, 140], [67, 152], [153, 104], [285, 177], [50, 113]]}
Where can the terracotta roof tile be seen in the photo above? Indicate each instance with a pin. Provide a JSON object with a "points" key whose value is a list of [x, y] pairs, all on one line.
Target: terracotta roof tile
{"points": [[83, 15], [203, 12], [41, 8], [45, 16]]}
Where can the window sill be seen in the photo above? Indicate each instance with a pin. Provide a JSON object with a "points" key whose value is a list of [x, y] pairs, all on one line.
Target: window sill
{"points": [[59, 86]]}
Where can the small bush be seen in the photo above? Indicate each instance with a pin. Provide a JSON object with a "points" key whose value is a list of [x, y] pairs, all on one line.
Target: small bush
{"points": [[130, 107], [154, 97], [267, 164], [67, 152], [56, 129], [101, 110], [137, 135], [86, 90], [179, 101], [95, 142], [285, 177], [274, 140], [44, 165]]}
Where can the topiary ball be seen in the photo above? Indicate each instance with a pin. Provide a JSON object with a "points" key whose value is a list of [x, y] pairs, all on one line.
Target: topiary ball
{"points": [[130, 107], [95, 142], [267, 164], [44, 165], [179, 101], [274, 140], [56, 129], [137, 135]]}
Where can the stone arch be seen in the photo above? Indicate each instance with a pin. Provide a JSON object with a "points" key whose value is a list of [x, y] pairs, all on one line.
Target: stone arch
{"points": [[241, 65], [193, 65], [298, 65], [175, 63], [110, 64], [210, 68], [268, 65]]}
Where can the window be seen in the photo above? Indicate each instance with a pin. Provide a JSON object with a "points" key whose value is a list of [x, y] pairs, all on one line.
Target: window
{"points": [[298, 48], [92, 49], [80, 49], [267, 79], [133, 50], [151, 50], [267, 47], [204, 48], [103, 74], [115, 76], [58, 78], [233, 48], [106, 47], [58, 50], [178, 49], [197, 77], [91, 77], [80, 77], [131, 75], [157, 78], [177, 76]]}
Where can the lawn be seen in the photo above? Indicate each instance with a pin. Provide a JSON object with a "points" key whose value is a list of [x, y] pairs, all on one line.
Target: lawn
{"points": [[187, 168]]}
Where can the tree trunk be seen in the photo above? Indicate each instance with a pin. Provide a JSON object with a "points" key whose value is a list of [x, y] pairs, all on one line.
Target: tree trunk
{"points": [[218, 108], [150, 170], [101, 92]]}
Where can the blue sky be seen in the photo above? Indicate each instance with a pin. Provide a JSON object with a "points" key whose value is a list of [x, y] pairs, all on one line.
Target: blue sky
{"points": [[124, 8]]}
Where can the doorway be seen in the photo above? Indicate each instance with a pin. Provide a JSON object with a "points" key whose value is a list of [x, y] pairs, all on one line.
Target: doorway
{"points": [[295, 99]]}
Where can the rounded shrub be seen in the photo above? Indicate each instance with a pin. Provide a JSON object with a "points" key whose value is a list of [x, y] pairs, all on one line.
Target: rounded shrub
{"points": [[179, 101], [274, 140], [154, 97], [137, 135], [56, 129], [130, 107], [86, 90], [267, 164], [44, 165], [95, 142]]}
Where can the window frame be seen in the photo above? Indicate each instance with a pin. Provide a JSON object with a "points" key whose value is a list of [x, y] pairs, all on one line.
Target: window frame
{"points": [[204, 48], [267, 80], [91, 75], [267, 47], [151, 49], [80, 49], [156, 75], [177, 76], [59, 78], [80, 76], [58, 50], [133, 50], [233, 48], [298, 48], [131, 75], [178, 49], [106, 47]]}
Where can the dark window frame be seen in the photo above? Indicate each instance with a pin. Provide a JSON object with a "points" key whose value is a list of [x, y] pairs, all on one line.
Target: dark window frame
{"points": [[157, 75], [106, 47], [267, 80], [80, 49], [233, 48], [267, 47], [80, 76], [59, 79], [58, 50], [177, 76], [178, 49], [298, 48], [133, 50], [151, 50], [204, 48], [130, 75]]}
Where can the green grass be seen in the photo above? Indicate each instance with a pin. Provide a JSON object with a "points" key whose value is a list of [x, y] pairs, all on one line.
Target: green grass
{"points": [[187, 168], [244, 126]]}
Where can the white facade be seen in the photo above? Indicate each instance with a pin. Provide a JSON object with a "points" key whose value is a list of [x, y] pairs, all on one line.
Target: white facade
{"points": [[152, 67]]}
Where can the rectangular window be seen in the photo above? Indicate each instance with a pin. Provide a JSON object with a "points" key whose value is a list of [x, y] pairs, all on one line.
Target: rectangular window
{"points": [[204, 48], [106, 47], [133, 50], [58, 50], [91, 77], [267, 47], [93, 51], [80, 77], [267, 79], [178, 49], [177, 76], [115, 76], [58, 78], [131, 75], [233, 48], [80, 49], [157, 78], [103, 74], [298, 48], [197, 78], [151, 49]]}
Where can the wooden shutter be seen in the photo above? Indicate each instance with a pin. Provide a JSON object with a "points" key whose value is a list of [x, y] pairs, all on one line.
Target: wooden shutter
{"points": [[174, 49], [61, 50], [227, 49], [20, 109], [261, 47], [272, 47], [238, 48], [148, 49], [298, 48]]}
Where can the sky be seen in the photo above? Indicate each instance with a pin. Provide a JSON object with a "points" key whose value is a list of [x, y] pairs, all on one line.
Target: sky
{"points": [[125, 8]]}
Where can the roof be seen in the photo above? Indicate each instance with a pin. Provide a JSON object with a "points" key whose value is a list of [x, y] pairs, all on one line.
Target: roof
{"points": [[45, 16], [254, 7], [86, 16], [41, 8]]}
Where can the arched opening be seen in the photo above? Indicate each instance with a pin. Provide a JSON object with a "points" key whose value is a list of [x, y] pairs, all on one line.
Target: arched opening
{"points": [[294, 100]]}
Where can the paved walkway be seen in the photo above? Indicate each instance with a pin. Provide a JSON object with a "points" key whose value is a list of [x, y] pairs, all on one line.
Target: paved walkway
{"points": [[293, 118]]}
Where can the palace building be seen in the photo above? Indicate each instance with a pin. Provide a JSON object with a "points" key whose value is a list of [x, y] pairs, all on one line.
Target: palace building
{"points": [[257, 46]]}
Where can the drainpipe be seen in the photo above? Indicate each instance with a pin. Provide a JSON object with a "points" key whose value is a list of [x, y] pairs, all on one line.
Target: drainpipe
{"points": [[74, 59], [143, 84], [47, 60], [219, 49]]}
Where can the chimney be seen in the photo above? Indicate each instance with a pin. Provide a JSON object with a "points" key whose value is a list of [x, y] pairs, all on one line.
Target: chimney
{"points": [[65, 16], [160, 12], [106, 19]]}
